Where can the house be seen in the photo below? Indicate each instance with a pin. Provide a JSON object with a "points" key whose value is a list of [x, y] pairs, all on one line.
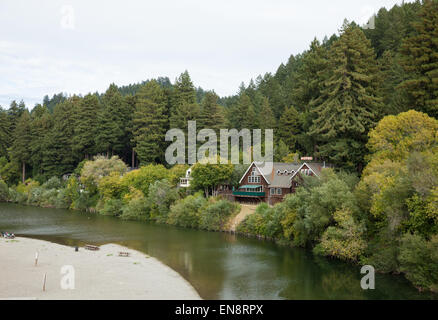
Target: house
{"points": [[271, 181], [184, 182]]}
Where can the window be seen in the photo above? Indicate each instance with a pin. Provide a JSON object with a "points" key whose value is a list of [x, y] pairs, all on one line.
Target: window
{"points": [[279, 191], [272, 191]]}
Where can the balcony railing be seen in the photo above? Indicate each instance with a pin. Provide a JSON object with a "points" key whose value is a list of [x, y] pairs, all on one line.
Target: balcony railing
{"points": [[248, 194]]}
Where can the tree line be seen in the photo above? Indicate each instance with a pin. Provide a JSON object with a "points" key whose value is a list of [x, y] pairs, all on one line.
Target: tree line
{"points": [[322, 102]]}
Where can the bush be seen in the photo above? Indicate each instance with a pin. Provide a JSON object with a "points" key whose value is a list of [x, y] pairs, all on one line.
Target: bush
{"points": [[419, 261], [142, 178], [217, 214], [345, 240], [111, 207], [160, 197], [136, 209], [53, 183], [186, 212], [4, 191]]}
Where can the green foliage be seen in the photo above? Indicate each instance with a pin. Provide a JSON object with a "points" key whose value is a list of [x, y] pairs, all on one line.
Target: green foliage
{"points": [[136, 209], [100, 167], [345, 240], [186, 212], [217, 214], [160, 197], [150, 123], [143, 177], [421, 61], [419, 261], [4, 191], [209, 176]]}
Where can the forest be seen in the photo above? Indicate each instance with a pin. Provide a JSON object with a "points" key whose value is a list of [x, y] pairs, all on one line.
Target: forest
{"points": [[365, 100]]}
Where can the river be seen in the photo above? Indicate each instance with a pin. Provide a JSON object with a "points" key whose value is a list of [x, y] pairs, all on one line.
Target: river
{"points": [[218, 265]]}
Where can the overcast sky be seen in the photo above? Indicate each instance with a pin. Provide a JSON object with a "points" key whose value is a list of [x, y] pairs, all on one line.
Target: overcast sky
{"points": [[48, 47]]}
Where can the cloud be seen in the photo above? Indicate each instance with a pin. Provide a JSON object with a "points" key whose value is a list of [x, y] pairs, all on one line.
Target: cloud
{"points": [[82, 46]]}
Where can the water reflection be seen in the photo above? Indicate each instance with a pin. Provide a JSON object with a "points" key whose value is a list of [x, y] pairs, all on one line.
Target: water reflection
{"points": [[218, 265]]}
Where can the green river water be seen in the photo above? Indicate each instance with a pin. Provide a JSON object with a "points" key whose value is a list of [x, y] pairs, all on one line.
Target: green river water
{"points": [[218, 265]]}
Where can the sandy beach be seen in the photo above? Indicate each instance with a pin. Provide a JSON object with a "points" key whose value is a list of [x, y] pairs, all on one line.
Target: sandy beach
{"points": [[101, 274]]}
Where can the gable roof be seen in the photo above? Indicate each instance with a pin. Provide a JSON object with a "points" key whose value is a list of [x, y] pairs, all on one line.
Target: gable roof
{"points": [[269, 172]]}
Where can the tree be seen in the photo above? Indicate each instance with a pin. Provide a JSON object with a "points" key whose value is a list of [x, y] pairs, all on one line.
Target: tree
{"points": [[5, 135], [111, 131], [20, 150], [266, 119], [150, 123], [58, 156], [40, 127], [184, 106], [86, 125], [288, 127], [211, 115], [348, 106], [421, 61], [208, 177]]}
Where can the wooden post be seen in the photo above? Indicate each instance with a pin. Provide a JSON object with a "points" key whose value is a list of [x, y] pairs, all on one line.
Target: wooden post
{"points": [[36, 258], [44, 282]]}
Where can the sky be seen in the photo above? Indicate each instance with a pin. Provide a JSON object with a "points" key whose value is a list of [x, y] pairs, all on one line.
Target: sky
{"points": [[77, 47]]}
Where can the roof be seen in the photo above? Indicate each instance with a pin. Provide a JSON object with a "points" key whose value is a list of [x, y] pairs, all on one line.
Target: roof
{"points": [[269, 171]]}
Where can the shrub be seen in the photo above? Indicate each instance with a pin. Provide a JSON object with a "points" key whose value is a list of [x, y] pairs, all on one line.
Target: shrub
{"points": [[419, 261], [53, 183], [111, 207], [217, 214], [345, 240], [185, 212], [4, 191], [143, 177], [136, 209], [160, 197]]}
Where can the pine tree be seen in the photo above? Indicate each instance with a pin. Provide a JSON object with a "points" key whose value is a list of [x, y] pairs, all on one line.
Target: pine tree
{"points": [[421, 61], [211, 115], [14, 113], [288, 127], [266, 117], [348, 105], [150, 123], [20, 150], [184, 106], [58, 155], [86, 126], [40, 126], [243, 114], [111, 123], [5, 135]]}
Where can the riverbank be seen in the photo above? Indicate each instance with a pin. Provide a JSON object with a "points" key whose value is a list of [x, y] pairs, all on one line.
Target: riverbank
{"points": [[99, 274]]}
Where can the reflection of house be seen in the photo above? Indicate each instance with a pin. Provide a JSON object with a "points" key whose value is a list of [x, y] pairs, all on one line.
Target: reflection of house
{"points": [[271, 181], [185, 181]]}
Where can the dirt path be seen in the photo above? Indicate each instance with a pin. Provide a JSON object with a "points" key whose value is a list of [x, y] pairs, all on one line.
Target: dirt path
{"points": [[246, 209]]}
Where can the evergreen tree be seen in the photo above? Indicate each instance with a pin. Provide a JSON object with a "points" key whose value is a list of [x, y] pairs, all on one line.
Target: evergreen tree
{"points": [[421, 61], [184, 106], [5, 135], [266, 117], [15, 111], [111, 123], [348, 105], [86, 126], [150, 123], [58, 155], [288, 127], [211, 115], [20, 150], [40, 126]]}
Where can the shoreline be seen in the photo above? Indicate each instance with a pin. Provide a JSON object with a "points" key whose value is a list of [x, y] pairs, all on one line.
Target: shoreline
{"points": [[98, 275]]}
